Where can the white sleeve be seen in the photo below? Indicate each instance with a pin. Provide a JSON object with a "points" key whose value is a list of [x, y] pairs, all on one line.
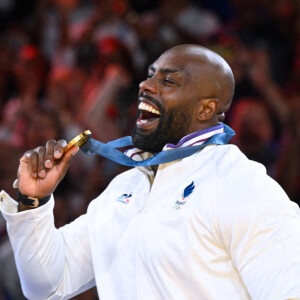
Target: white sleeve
{"points": [[52, 263], [260, 228]]}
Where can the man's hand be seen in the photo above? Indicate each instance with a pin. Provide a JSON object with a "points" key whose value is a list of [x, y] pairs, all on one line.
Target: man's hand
{"points": [[41, 169]]}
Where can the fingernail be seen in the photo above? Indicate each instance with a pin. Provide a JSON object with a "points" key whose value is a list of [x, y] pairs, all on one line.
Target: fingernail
{"points": [[75, 151], [42, 173], [57, 154], [48, 163]]}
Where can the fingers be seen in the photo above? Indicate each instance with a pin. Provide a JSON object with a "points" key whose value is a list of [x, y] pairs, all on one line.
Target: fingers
{"points": [[67, 157], [31, 157], [54, 151], [41, 172], [42, 159], [59, 149]]}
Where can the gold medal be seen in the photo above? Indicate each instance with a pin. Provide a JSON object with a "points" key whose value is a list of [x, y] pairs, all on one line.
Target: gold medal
{"points": [[78, 140]]}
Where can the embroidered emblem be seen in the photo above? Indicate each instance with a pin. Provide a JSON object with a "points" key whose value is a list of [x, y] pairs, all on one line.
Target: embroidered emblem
{"points": [[187, 192], [124, 198]]}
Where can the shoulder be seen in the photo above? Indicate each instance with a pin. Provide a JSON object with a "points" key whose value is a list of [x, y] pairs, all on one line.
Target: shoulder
{"points": [[239, 175], [258, 225], [242, 180], [230, 159], [226, 163], [247, 195]]}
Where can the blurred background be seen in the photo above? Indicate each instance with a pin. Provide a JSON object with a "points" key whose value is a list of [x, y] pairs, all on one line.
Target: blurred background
{"points": [[71, 65]]}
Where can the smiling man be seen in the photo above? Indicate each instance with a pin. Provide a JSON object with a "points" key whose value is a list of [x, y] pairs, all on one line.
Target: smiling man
{"points": [[207, 225], [188, 89]]}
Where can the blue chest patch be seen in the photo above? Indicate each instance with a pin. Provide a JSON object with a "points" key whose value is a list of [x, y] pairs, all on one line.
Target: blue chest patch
{"points": [[186, 193]]}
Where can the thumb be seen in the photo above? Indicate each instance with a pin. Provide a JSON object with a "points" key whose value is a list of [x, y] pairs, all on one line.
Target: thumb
{"points": [[67, 158]]}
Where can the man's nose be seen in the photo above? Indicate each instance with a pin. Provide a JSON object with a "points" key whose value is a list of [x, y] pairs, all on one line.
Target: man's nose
{"points": [[148, 86]]}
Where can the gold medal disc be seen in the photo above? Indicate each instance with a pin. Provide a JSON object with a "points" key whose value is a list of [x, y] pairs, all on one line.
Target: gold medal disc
{"points": [[78, 140]]}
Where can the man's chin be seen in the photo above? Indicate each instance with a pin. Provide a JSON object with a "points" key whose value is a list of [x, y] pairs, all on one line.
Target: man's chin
{"points": [[147, 141]]}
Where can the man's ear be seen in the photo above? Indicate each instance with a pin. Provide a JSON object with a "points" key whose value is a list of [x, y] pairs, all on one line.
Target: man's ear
{"points": [[207, 109]]}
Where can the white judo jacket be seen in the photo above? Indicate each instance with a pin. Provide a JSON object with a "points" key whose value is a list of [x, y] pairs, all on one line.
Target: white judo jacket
{"points": [[210, 226]]}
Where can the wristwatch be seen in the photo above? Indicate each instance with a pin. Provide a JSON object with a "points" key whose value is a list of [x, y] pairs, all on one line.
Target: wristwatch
{"points": [[32, 201]]}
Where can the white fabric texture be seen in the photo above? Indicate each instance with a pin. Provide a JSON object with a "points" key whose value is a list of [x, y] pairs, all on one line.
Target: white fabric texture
{"points": [[235, 236]]}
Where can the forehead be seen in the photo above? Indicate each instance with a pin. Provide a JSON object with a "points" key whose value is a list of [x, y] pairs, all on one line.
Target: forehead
{"points": [[173, 62]]}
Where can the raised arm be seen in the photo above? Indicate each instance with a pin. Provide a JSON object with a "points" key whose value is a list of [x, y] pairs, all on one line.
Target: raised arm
{"points": [[52, 263]]}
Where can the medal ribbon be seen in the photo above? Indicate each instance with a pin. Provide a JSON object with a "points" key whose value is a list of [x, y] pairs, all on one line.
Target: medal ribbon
{"points": [[110, 151]]}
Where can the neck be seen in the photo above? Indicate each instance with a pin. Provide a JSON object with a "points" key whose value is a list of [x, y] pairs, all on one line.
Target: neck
{"points": [[154, 169]]}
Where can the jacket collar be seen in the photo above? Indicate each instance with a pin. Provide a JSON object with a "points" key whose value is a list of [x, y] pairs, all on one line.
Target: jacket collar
{"points": [[193, 139]]}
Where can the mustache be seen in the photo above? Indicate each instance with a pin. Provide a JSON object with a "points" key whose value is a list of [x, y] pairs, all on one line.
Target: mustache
{"points": [[153, 100]]}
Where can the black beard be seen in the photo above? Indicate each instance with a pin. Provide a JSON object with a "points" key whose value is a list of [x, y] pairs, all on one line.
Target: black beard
{"points": [[173, 126]]}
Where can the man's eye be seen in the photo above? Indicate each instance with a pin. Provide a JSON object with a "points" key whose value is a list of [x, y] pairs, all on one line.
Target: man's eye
{"points": [[149, 76], [168, 80]]}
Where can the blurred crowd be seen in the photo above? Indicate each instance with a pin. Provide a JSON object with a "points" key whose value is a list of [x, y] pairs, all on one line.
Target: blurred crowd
{"points": [[71, 65]]}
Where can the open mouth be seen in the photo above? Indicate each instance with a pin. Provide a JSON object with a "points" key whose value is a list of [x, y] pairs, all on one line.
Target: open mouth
{"points": [[149, 116]]}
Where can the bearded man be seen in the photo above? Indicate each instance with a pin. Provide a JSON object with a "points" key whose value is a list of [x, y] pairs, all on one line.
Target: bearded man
{"points": [[209, 224]]}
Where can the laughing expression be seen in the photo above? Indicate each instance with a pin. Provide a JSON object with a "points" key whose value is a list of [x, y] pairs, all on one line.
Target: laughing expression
{"points": [[149, 115], [166, 104]]}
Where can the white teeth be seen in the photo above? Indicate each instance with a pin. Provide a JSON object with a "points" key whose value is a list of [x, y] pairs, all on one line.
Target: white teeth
{"points": [[147, 107]]}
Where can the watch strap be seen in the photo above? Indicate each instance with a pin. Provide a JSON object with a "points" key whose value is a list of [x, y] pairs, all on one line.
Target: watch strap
{"points": [[32, 201]]}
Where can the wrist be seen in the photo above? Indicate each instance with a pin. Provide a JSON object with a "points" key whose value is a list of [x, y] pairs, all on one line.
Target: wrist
{"points": [[27, 202]]}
